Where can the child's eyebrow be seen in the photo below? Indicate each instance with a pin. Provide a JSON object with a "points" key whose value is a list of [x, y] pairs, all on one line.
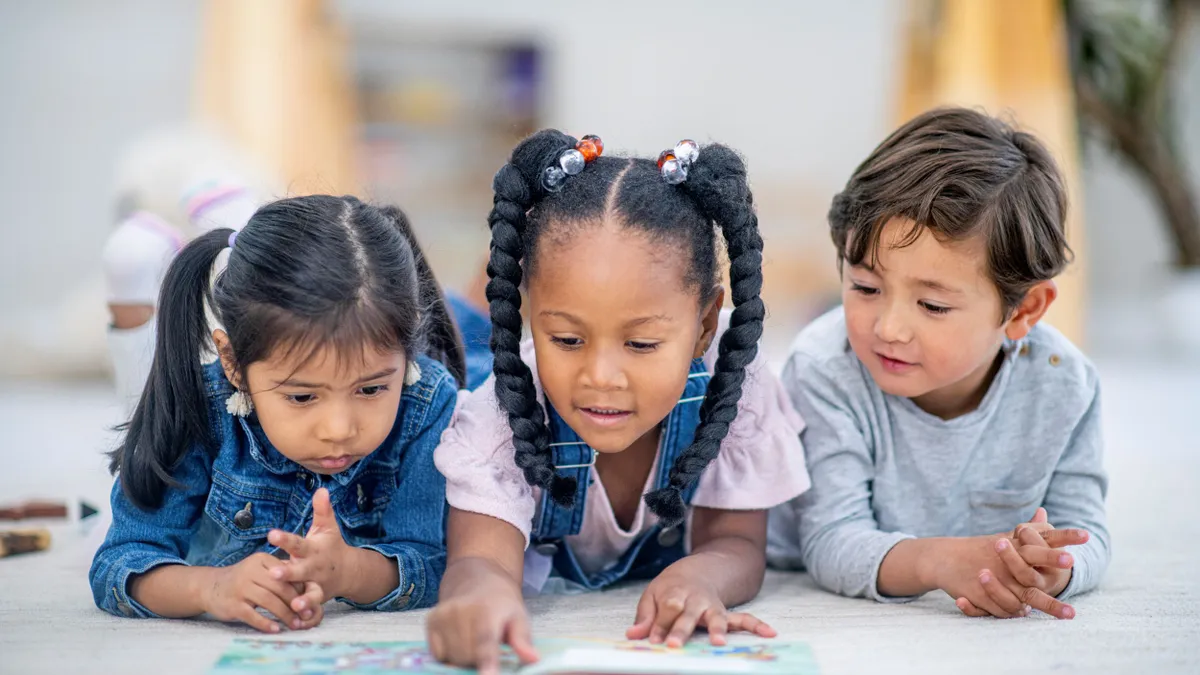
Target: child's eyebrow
{"points": [[309, 385], [648, 319], [938, 286]]}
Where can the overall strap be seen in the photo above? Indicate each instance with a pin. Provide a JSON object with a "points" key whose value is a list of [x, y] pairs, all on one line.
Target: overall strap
{"points": [[573, 458]]}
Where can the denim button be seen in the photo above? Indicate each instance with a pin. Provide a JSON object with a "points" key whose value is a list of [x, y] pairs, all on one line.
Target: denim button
{"points": [[548, 549], [669, 537], [364, 501], [310, 481], [244, 519]]}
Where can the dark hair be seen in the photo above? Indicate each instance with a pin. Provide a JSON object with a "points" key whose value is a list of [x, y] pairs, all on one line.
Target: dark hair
{"points": [[632, 192], [961, 173], [304, 273]]}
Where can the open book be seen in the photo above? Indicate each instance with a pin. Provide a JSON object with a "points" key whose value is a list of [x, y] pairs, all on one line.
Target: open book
{"points": [[560, 656]]}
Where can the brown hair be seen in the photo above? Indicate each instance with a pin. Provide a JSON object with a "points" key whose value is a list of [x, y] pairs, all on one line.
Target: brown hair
{"points": [[961, 173]]}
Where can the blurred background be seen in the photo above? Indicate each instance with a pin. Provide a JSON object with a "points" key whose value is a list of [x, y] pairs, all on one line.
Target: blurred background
{"points": [[418, 102]]}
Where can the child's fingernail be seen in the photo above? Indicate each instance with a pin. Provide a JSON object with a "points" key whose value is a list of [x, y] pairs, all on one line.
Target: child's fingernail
{"points": [[307, 614], [296, 624], [985, 578], [274, 628], [1064, 560], [1068, 613], [1001, 544]]}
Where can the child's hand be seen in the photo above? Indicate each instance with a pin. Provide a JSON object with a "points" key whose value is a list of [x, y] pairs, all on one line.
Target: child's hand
{"points": [[1038, 571], [672, 607], [467, 630], [238, 591], [321, 556]]}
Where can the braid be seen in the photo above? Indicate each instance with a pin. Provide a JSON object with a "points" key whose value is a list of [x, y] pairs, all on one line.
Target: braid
{"points": [[517, 188], [717, 183]]}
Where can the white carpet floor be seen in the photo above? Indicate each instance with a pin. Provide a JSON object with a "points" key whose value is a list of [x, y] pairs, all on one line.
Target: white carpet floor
{"points": [[1144, 619]]}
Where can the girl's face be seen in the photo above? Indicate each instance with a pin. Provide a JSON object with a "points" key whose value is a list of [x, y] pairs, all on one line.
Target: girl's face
{"points": [[615, 331], [925, 319], [329, 412]]}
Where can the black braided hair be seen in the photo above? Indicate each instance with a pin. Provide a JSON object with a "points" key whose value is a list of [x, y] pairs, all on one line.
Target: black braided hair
{"points": [[632, 191]]}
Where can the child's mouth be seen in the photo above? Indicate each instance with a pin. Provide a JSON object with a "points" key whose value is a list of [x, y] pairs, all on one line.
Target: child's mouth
{"points": [[605, 416], [894, 365]]}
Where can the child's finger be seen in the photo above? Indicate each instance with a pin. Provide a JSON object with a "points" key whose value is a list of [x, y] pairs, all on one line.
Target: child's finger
{"points": [[267, 600], [520, 639], [1039, 600], [1046, 557], [487, 647], [249, 616], [1000, 595], [294, 544], [685, 625], [1040, 516], [323, 517], [309, 601], [643, 618], [967, 607], [1061, 538], [748, 623], [666, 612], [1017, 566], [717, 625]]}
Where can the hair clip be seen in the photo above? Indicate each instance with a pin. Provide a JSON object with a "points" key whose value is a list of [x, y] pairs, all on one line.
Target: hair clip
{"points": [[673, 164], [571, 162]]}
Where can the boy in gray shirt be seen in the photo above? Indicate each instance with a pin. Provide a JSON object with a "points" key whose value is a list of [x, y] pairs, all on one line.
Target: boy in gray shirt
{"points": [[953, 442]]}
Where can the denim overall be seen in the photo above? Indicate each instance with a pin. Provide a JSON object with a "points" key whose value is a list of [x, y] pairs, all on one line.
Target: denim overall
{"points": [[655, 549]]}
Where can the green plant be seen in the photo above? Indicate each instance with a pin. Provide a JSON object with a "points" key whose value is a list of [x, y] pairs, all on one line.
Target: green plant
{"points": [[1124, 58]]}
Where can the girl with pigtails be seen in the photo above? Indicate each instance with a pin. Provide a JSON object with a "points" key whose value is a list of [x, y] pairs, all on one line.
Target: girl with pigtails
{"points": [[637, 434]]}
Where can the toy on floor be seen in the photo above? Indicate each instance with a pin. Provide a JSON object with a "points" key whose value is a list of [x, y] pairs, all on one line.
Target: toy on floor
{"points": [[558, 655], [24, 541]]}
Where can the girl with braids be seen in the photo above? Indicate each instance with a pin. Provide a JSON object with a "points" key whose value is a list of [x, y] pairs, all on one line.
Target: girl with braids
{"points": [[298, 466], [638, 434]]}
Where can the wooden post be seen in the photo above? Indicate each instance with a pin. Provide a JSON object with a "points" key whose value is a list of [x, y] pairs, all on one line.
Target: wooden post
{"points": [[273, 76], [1008, 57]]}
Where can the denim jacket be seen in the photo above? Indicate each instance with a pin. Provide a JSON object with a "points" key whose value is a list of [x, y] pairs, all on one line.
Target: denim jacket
{"points": [[393, 501]]}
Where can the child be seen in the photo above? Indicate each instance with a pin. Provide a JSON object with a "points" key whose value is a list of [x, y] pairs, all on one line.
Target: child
{"points": [[940, 414], [621, 391], [320, 417]]}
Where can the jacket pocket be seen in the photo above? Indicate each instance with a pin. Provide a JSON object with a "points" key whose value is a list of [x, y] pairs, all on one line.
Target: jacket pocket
{"points": [[245, 512], [994, 511]]}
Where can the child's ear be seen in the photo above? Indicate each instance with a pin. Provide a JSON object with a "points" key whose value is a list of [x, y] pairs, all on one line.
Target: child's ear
{"points": [[1031, 310], [225, 353], [710, 316]]}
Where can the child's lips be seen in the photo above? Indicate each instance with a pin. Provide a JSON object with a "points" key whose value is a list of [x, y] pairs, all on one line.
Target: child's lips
{"points": [[895, 365], [605, 417], [335, 463]]}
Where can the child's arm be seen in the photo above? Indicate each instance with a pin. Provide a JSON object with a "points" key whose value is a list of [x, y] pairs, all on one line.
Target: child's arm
{"points": [[481, 607], [725, 569], [139, 570], [1075, 498]]}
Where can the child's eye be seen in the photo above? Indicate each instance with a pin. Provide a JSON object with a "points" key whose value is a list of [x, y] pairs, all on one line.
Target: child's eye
{"points": [[371, 391], [641, 346], [865, 290], [300, 399], [934, 309], [566, 342]]}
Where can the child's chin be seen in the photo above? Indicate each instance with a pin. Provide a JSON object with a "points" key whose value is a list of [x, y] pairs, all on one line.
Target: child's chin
{"points": [[902, 386]]}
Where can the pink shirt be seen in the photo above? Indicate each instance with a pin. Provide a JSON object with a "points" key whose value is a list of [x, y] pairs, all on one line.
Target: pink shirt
{"points": [[760, 465]]}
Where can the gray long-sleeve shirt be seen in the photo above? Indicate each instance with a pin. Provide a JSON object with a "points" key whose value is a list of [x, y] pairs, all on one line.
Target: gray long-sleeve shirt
{"points": [[883, 470]]}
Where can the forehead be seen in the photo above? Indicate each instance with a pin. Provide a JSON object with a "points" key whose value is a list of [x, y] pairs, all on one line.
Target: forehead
{"points": [[327, 364], [603, 268], [907, 249]]}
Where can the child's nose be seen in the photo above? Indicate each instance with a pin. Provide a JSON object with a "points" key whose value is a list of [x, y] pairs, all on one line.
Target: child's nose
{"points": [[605, 372], [338, 425], [892, 325]]}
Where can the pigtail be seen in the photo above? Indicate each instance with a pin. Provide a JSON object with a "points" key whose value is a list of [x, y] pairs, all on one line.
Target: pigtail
{"points": [[717, 183], [517, 188], [172, 413], [444, 342]]}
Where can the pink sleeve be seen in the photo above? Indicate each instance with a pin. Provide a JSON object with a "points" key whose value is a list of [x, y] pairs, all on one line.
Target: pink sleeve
{"points": [[761, 462], [476, 457]]}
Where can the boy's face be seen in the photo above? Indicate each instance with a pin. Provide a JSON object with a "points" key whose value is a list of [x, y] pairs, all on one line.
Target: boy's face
{"points": [[926, 319]]}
